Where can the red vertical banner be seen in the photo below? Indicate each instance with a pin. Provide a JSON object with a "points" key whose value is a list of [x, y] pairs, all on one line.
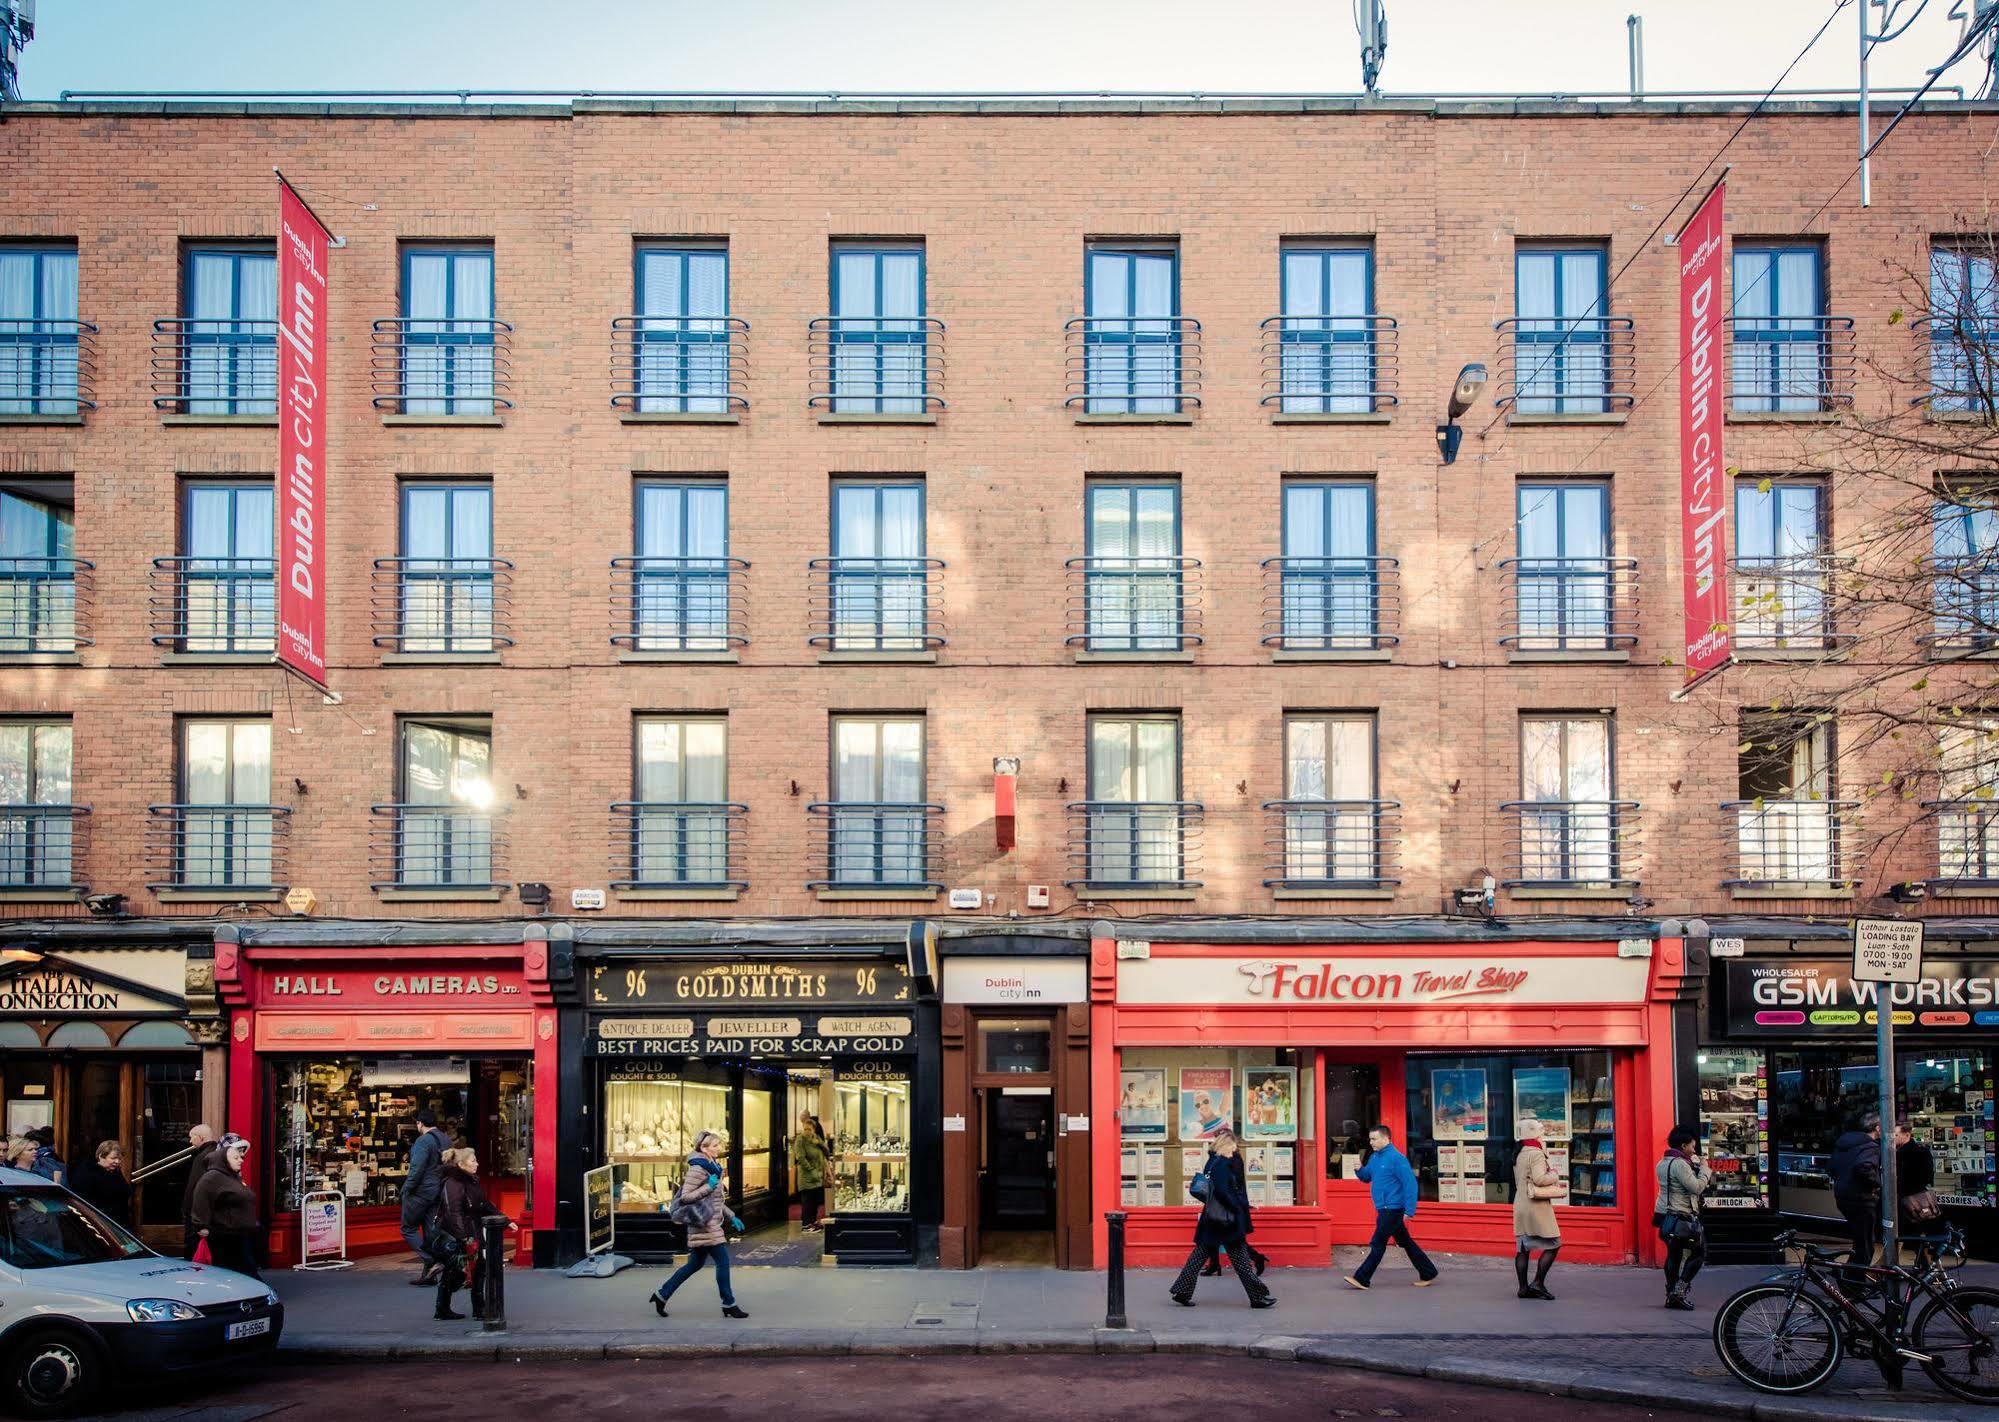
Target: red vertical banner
{"points": [[1703, 472], [303, 243]]}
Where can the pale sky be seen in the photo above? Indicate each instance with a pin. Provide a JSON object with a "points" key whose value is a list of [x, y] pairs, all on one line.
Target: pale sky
{"points": [[1435, 46]]}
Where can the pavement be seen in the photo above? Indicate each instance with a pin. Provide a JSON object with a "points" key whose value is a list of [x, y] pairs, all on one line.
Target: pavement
{"points": [[1605, 1338]]}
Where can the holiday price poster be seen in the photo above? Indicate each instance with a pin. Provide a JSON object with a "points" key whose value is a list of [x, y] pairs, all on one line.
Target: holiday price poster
{"points": [[1207, 1102]]}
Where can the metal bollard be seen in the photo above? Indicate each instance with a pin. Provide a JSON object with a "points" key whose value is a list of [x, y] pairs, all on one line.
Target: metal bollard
{"points": [[1114, 1266], [491, 1295]]}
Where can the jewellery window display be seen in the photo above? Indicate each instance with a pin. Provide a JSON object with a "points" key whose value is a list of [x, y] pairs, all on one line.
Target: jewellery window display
{"points": [[1735, 1128], [1464, 1112], [1172, 1102], [347, 1124], [870, 1156], [514, 1143], [1947, 1101], [756, 1142], [650, 1127]]}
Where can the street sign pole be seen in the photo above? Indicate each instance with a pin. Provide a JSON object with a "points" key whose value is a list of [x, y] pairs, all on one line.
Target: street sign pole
{"points": [[1887, 951]]}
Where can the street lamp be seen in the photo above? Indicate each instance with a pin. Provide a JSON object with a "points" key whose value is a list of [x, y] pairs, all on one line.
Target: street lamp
{"points": [[1471, 384]]}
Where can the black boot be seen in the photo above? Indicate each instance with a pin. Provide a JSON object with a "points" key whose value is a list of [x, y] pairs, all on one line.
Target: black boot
{"points": [[1540, 1289], [1520, 1272]]}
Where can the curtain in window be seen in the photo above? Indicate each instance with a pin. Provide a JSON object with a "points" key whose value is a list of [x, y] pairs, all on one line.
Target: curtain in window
{"points": [[38, 351], [1964, 330], [1563, 570], [878, 763], [1332, 759], [681, 763], [1135, 764], [446, 828], [1329, 589], [35, 846]]}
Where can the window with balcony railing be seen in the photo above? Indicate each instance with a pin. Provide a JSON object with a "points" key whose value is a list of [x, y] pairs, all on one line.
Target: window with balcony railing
{"points": [[1966, 812], [220, 356], [1964, 330], [1569, 830], [1569, 594], [1132, 353], [442, 833], [878, 353], [1331, 830], [681, 353], [44, 346], [1329, 592], [219, 595], [42, 581], [39, 827], [681, 592], [445, 592], [1135, 831], [1784, 577], [1965, 571], [1786, 355], [1132, 592], [1329, 353], [878, 593], [444, 354], [1564, 354], [222, 833], [1789, 830], [681, 832], [877, 831]]}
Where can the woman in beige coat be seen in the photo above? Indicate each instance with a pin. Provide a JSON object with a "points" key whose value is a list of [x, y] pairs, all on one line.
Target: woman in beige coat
{"points": [[701, 1206], [1536, 1187]]}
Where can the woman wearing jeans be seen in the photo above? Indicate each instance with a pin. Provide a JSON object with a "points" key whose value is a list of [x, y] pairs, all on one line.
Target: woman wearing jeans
{"points": [[701, 1205], [1683, 1179]]}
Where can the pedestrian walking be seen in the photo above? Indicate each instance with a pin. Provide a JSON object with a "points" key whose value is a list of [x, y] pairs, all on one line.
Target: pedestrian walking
{"points": [[201, 1137], [1918, 1208], [1536, 1187], [462, 1207], [701, 1204], [1223, 1224], [1856, 1189], [1683, 1178], [102, 1182], [225, 1209], [1391, 1183], [47, 1163], [808, 1153], [1213, 1268], [421, 1188]]}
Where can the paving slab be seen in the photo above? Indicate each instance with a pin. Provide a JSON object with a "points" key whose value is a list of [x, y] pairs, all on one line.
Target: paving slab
{"points": [[1485, 1372]]}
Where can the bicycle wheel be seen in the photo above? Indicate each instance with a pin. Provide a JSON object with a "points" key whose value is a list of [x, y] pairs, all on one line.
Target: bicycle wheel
{"points": [[1961, 1331], [1775, 1342]]}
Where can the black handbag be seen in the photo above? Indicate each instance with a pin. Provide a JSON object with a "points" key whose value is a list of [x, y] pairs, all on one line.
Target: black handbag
{"points": [[1681, 1229], [1215, 1211]]}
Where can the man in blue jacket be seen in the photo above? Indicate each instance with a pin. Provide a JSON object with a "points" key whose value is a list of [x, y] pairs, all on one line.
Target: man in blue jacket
{"points": [[1392, 1183]]}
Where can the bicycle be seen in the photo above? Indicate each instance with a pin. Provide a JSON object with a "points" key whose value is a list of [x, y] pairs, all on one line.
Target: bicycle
{"points": [[1789, 1333]]}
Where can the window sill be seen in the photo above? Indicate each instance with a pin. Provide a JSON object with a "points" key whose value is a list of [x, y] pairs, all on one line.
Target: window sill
{"points": [[1335, 654], [860, 896], [1568, 417], [41, 659], [642, 658], [1935, 416], [1801, 891], [677, 896], [1946, 652], [1294, 896], [218, 896], [1573, 891], [260, 421], [1087, 895], [1783, 417], [476, 421], [216, 659], [1334, 417], [1609, 655], [678, 417], [1963, 891], [1793, 654], [1183, 418], [440, 659], [40, 896], [885, 658], [1135, 656], [41, 419], [835, 418], [441, 896]]}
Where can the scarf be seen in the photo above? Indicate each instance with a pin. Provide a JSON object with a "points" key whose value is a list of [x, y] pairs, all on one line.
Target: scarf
{"points": [[1670, 1153], [1531, 1144], [713, 1167]]}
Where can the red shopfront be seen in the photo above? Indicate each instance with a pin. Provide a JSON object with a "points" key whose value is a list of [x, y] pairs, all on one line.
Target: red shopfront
{"points": [[1301, 1048], [333, 1050]]}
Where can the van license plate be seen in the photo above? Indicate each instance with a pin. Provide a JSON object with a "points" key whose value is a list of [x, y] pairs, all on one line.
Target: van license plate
{"points": [[250, 1328]]}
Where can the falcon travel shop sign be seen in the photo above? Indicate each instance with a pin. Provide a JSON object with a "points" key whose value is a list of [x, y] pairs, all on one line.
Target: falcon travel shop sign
{"points": [[1819, 997]]}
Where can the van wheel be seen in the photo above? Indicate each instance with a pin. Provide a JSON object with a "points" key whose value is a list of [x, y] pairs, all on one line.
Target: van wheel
{"points": [[52, 1372]]}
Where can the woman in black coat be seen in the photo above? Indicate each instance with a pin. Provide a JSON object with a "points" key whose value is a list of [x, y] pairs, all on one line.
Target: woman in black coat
{"points": [[1223, 1226], [102, 1182], [1213, 1268], [225, 1209]]}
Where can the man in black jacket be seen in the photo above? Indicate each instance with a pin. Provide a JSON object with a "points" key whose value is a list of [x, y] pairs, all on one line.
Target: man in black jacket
{"points": [[1856, 1189], [201, 1139]]}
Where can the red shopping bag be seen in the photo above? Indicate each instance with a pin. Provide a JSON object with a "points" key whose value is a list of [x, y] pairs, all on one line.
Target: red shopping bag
{"points": [[201, 1252]]}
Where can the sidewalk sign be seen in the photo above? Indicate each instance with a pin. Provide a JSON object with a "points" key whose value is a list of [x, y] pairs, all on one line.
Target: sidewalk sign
{"points": [[322, 1236], [1887, 951], [600, 1216]]}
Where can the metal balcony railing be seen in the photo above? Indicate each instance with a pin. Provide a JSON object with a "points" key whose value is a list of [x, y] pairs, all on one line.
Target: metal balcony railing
{"points": [[1134, 604], [42, 846], [877, 845], [215, 367], [1571, 844], [436, 847], [442, 604], [1329, 365], [1331, 604], [1333, 844], [1967, 842], [1133, 365], [1787, 603], [434, 366], [214, 604], [47, 367], [679, 604], [877, 365], [1780, 844], [1571, 604], [1119, 844], [877, 604], [228, 847], [1964, 365], [1966, 595], [679, 365], [44, 604], [1551, 365], [662, 845], [1790, 364]]}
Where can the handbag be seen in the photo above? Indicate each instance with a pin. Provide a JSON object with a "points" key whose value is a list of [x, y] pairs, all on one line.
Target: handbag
{"points": [[1681, 1229], [1198, 1186], [1923, 1207], [202, 1253], [1215, 1211]]}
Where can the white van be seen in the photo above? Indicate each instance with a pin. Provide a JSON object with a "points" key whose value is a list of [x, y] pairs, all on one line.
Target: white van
{"points": [[82, 1301]]}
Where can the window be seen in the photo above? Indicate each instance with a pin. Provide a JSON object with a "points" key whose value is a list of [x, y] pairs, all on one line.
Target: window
{"points": [[53, 1229], [1564, 575], [1735, 1127], [446, 582], [1134, 820], [1332, 819], [1465, 1113], [682, 599], [681, 823], [1966, 538], [227, 590], [224, 824], [229, 350], [1964, 328], [879, 579], [878, 824], [37, 842], [1569, 819], [685, 339], [1132, 330], [1788, 824], [1331, 577], [1132, 569], [1967, 809], [1328, 332], [38, 569], [1778, 329], [448, 331], [39, 331], [1173, 1100], [1561, 333], [445, 822], [1783, 577], [877, 338]]}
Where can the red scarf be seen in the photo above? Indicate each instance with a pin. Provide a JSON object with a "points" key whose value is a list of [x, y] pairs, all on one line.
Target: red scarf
{"points": [[1531, 1145]]}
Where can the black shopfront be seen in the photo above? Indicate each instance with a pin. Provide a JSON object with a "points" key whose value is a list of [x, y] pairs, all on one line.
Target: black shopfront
{"points": [[1787, 1063], [748, 1043]]}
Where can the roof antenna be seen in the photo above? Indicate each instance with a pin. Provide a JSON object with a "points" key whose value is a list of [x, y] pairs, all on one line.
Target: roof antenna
{"points": [[1372, 22], [17, 27]]}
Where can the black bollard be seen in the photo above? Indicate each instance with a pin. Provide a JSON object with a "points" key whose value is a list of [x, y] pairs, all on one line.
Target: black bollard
{"points": [[491, 1295], [1114, 1268]]}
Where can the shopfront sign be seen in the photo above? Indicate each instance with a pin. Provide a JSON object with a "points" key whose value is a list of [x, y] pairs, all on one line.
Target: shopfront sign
{"points": [[393, 989], [1809, 998], [55, 993], [1322, 980], [322, 1217], [749, 982], [734, 1035], [1016, 981]]}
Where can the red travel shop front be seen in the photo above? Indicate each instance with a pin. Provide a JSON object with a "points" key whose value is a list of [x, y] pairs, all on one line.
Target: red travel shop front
{"points": [[1300, 1048], [334, 1049]]}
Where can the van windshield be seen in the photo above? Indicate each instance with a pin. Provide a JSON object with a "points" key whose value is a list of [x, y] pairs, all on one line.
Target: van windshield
{"points": [[45, 1229]]}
